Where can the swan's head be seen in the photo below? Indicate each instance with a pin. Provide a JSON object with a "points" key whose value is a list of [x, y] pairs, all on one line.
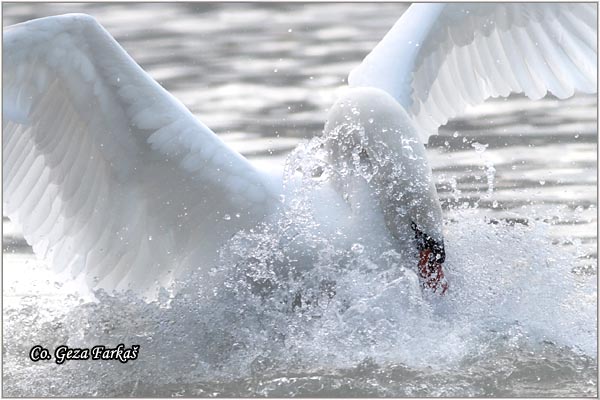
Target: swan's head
{"points": [[372, 141]]}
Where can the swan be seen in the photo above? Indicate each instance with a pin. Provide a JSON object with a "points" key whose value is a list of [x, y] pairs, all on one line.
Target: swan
{"points": [[112, 179]]}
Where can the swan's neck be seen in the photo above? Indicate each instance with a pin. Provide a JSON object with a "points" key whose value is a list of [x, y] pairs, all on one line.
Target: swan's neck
{"points": [[374, 144]]}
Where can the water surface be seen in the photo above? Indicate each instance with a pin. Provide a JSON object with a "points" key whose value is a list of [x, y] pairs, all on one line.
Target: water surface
{"points": [[518, 185]]}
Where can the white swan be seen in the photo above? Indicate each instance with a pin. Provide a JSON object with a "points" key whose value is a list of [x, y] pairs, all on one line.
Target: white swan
{"points": [[113, 178]]}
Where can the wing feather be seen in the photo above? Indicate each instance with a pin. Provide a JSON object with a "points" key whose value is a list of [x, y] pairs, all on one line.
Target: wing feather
{"points": [[108, 174], [470, 52]]}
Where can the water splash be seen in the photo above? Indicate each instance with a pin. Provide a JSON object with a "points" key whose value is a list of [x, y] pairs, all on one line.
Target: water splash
{"points": [[289, 307], [511, 292]]}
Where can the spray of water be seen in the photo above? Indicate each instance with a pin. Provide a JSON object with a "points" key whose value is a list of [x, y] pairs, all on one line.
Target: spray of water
{"points": [[288, 305]]}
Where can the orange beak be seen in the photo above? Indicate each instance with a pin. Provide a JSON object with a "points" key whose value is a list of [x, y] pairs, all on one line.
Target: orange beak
{"points": [[431, 273]]}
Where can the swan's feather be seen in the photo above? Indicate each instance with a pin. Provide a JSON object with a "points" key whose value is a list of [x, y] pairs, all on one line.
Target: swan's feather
{"points": [[106, 172], [438, 59]]}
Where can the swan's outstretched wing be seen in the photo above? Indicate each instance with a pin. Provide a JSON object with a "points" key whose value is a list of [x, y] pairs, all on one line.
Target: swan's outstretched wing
{"points": [[106, 172], [440, 58]]}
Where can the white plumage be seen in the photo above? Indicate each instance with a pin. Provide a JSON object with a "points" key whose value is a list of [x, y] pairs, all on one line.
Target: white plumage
{"points": [[112, 177], [438, 59], [107, 173]]}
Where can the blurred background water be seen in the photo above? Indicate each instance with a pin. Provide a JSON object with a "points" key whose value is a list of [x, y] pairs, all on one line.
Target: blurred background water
{"points": [[262, 76]]}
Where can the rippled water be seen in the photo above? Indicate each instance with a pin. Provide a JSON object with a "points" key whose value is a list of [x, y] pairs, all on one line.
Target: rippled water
{"points": [[518, 185]]}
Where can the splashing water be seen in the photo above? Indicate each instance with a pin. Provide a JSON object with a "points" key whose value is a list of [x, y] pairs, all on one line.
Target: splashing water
{"points": [[290, 311], [502, 330]]}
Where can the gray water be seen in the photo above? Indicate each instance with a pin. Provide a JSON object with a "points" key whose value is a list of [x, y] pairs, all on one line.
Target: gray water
{"points": [[518, 186]]}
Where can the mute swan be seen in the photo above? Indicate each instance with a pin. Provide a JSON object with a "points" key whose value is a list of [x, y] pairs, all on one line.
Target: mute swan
{"points": [[113, 179]]}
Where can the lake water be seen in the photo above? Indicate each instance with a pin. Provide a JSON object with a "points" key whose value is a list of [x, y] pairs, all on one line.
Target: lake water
{"points": [[518, 183]]}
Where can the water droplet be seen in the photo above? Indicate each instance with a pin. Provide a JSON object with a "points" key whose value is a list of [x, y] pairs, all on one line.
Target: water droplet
{"points": [[149, 237], [542, 182], [371, 120], [495, 204], [226, 217], [357, 248], [490, 173], [455, 134], [479, 148]]}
